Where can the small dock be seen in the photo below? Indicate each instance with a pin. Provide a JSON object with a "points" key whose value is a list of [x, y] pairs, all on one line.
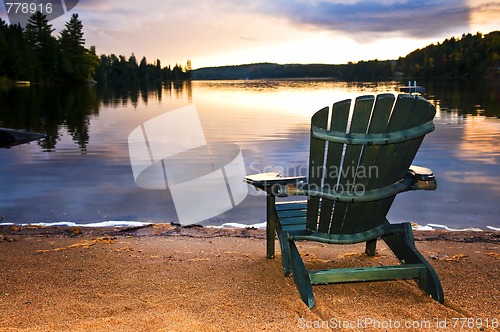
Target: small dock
{"points": [[412, 88]]}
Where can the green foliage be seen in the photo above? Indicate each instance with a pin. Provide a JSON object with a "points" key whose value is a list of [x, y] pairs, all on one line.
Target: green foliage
{"points": [[38, 34], [34, 54], [467, 57], [363, 70], [74, 56], [113, 68], [17, 58]]}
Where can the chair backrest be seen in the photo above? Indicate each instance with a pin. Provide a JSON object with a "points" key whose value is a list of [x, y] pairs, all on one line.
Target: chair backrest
{"points": [[359, 149]]}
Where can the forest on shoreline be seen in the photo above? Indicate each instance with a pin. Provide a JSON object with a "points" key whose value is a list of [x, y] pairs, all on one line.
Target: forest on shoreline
{"points": [[33, 54], [471, 56]]}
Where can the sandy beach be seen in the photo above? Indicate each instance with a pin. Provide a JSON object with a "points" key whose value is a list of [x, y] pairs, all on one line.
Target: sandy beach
{"points": [[165, 278]]}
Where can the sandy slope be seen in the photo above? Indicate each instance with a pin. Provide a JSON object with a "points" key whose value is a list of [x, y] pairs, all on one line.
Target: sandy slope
{"points": [[162, 278]]}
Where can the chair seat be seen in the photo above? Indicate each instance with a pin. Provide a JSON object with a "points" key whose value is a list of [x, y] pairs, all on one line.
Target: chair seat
{"points": [[292, 215]]}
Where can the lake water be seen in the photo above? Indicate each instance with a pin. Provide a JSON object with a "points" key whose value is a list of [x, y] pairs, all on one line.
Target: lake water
{"points": [[82, 173]]}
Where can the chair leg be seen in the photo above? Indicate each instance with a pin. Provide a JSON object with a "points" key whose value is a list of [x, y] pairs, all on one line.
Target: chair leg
{"points": [[270, 226], [371, 246], [285, 253], [403, 246], [301, 276]]}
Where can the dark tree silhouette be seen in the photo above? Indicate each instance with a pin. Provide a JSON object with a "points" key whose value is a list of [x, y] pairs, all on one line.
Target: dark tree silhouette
{"points": [[73, 64], [34, 54], [38, 34]]}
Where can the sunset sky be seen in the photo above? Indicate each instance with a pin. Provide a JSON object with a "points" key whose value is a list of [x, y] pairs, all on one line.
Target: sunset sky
{"points": [[230, 32]]}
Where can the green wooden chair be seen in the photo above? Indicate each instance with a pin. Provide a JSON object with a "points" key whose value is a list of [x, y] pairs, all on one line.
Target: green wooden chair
{"points": [[360, 159]]}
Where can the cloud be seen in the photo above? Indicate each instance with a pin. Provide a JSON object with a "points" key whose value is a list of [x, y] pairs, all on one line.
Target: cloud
{"points": [[486, 12], [221, 32], [358, 19], [180, 28], [419, 19]]}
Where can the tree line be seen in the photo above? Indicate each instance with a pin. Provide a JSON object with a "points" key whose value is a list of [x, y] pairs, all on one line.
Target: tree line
{"points": [[363, 70], [466, 57], [119, 68], [472, 56], [34, 54]]}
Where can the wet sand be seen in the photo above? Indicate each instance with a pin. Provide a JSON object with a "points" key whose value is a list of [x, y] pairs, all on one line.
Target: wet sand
{"points": [[164, 278]]}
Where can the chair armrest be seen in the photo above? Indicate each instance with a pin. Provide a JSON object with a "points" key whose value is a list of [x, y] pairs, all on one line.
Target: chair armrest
{"points": [[275, 184], [423, 178]]}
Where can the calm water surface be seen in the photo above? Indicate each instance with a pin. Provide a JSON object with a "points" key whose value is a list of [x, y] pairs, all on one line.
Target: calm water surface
{"points": [[81, 173]]}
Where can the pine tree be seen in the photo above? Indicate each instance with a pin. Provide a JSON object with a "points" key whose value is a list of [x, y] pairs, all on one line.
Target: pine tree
{"points": [[73, 52], [21, 59], [188, 69], [143, 69], [4, 47], [133, 68], [38, 34], [91, 61]]}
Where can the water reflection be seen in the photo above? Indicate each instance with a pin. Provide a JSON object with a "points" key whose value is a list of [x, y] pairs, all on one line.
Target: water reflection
{"points": [[48, 108], [480, 140], [471, 97], [82, 172], [121, 93], [55, 109], [58, 110]]}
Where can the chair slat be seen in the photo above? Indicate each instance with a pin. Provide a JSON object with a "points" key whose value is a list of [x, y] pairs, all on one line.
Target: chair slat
{"points": [[316, 162], [299, 220], [359, 124], [423, 112], [338, 122], [362, 215]]}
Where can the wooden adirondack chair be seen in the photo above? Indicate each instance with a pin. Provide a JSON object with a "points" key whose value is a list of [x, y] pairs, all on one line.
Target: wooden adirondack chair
{"points": [[359, 161]]}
